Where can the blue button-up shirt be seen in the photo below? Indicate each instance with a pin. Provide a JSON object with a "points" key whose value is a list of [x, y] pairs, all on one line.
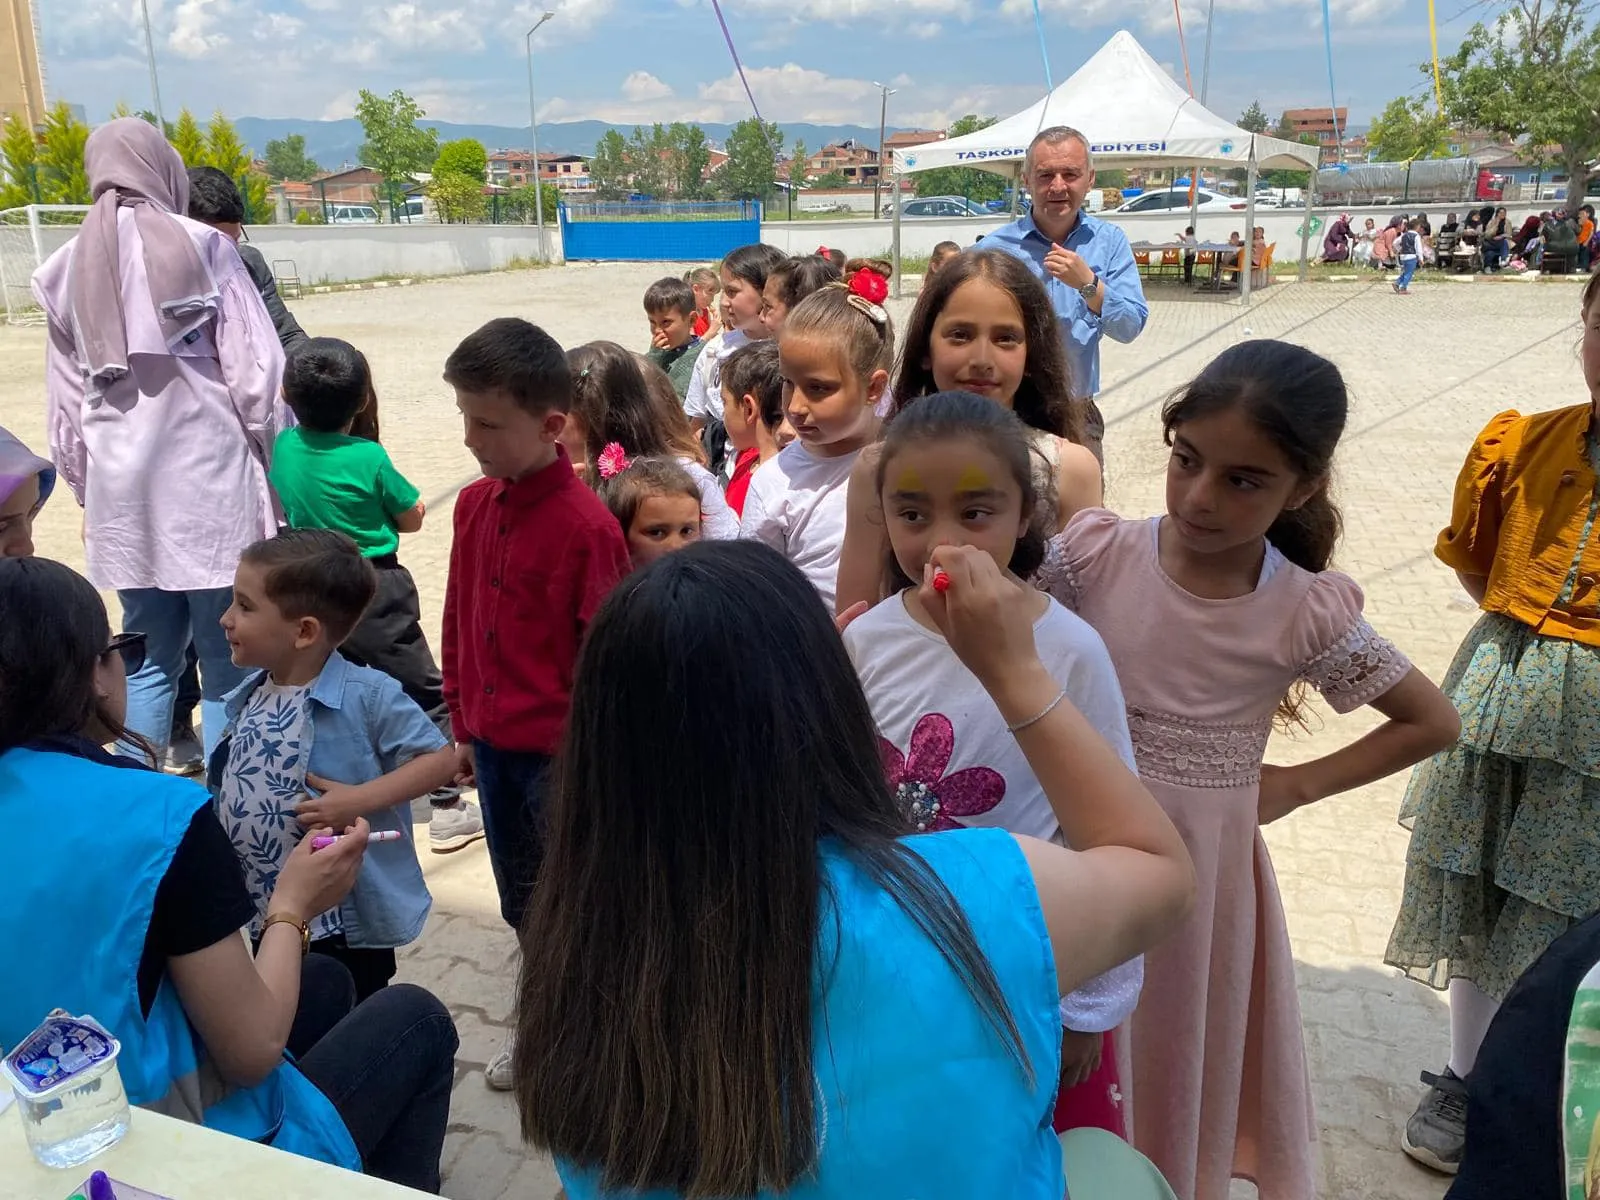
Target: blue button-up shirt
{"points": [[362, 726], [1123, 310]]}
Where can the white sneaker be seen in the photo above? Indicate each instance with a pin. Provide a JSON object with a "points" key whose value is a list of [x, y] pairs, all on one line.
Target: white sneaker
{"points": [[498, 1073], [452, 826]]}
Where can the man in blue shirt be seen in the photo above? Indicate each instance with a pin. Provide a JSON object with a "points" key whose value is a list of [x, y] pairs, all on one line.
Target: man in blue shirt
{"points": [[1085, 263]]}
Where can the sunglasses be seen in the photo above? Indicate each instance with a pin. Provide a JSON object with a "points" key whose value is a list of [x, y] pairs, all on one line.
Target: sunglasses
{"points": [[130, 647]]}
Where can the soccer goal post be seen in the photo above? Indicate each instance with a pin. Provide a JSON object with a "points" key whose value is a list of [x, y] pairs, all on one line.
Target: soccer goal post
{"points": [[28, 236]]}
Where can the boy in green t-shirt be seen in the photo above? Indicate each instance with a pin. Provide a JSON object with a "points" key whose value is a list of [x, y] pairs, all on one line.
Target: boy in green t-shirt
{"points": [[328, 479], [669, 305]]}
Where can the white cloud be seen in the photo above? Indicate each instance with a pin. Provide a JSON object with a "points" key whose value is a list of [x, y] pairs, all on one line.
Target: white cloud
{"points": [[194, 31], [923, 30], [1156, 16], [641, 85], [411, 24]]}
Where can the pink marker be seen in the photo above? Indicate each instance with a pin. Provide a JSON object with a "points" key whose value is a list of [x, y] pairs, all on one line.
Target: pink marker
{"points": [[941, 580], [323, 841]]}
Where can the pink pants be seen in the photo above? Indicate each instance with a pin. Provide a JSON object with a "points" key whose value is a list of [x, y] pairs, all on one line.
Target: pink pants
{"points": [[1097, 1101]]}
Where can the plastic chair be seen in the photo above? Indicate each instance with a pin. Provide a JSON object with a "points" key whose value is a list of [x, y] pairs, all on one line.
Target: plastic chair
{"points": [[1171, 260], [1101, 1166]]}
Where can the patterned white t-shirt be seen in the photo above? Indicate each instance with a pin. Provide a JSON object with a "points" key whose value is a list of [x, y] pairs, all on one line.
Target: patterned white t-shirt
{"points": [[953, 763], [264, 779]]}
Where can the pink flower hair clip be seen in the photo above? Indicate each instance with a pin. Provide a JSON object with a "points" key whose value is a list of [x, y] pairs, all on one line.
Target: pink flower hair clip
{"points": [[613, 460]]}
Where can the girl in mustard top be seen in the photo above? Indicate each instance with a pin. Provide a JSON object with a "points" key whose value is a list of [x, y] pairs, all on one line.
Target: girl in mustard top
{"points": [[1505, 847]]}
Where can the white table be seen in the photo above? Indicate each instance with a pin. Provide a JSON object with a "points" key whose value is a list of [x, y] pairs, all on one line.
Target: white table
{"points": [[185, 1162]]}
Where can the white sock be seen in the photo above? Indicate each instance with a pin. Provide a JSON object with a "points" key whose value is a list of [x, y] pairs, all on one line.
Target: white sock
{"points": [[1470, 1014]]}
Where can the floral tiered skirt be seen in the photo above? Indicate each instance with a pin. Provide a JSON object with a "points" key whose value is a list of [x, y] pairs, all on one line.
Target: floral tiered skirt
{"points": [[1505, 826]]}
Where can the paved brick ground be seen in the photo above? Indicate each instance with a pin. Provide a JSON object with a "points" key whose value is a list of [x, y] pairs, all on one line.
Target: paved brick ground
{"points": [[1424, 373]]}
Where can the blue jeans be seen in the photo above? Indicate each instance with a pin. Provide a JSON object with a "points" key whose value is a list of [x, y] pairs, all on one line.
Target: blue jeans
{"points": [[511, 792], [169, 621], [386, 1064], [1408, 268]]}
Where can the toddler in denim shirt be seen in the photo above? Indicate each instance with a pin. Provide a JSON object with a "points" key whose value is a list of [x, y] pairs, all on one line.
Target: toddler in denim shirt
{"points": [[314, 742]]}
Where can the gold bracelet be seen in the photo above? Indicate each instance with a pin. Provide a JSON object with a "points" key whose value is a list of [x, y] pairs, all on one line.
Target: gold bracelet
{"points": [[1038, 716], [302, 926]]}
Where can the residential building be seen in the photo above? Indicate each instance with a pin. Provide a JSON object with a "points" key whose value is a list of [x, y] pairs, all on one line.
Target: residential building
{"points": [[857, 163], [513, 169], [21, 70], [1326, 125], [353, 185]]}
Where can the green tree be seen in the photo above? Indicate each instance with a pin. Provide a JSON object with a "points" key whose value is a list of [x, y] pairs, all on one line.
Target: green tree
{"points": [[1405, 130], [287, 159], [831, 179], [608, 169], [225, 152], [1290, 178], [962, 181], [689, 155], [20, 149], [1534, 78], [189, 140], [798, 170], [457, 198], [518, 204], [395, 147], [1253, 119], [751, 171], [648, 152], [60, 172], [465, 157]]}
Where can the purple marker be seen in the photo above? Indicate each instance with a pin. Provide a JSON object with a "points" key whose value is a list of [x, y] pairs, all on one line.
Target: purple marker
{"points": [[323, 841]]}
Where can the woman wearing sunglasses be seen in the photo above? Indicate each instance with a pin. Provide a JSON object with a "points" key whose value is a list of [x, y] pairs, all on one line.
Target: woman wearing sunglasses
{"points": [[26, 481], [126, 901]]}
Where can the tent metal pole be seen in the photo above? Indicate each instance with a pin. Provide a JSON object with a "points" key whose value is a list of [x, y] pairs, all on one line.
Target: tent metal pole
{"points": [[1247, 263], [1305, 229], [894, 250]]}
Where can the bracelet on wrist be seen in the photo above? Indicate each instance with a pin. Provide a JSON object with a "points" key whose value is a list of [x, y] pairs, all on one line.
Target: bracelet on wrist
{"points": [[1019, 726]]}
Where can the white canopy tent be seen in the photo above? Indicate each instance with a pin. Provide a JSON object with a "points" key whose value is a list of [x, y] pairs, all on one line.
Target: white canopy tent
{"points": [[1133, 113]]}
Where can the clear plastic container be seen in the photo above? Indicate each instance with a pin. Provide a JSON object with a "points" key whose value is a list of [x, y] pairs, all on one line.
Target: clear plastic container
{"points": [[68, 1090]]}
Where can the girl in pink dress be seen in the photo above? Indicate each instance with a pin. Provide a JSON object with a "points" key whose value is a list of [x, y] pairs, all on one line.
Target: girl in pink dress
{"points": [[1216, 616]]}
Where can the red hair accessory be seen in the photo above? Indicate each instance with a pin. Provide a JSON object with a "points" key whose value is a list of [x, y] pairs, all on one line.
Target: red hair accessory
{"points": [[869, 285], [613, 460]]}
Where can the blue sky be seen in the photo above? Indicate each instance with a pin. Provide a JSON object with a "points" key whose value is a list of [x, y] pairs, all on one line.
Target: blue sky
{"points": [[633, 60]]}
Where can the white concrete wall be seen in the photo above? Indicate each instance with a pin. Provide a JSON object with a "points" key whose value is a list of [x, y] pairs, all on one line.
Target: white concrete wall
{"points": [[917, 237], [339, 253]]}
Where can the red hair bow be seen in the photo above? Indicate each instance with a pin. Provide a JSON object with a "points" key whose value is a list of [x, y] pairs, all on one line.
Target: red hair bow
{"points": [[869, 285]]}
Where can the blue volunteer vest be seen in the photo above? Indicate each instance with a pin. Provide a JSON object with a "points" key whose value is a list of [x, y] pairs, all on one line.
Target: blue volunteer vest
{"points": [[76, 897], [917, 1098]]}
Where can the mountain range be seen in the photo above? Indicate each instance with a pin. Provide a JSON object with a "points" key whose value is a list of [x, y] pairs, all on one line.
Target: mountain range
{"points": [[337, 143]]}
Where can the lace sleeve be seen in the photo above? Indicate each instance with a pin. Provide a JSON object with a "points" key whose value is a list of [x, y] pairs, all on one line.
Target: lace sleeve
{"points": [[1056, 576], [1358, 667]]}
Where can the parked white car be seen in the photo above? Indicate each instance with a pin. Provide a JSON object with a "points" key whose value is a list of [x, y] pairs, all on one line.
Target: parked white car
{"points": [[1168, 199], [352, 214]]}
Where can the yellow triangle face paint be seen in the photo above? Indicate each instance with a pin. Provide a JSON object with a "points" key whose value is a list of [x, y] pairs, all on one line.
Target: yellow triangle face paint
{"points": [[973, 479], [910, 481]]}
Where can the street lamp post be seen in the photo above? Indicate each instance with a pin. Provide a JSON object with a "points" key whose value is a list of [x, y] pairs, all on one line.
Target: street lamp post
{"points": [[533, 125], [877, 181], [150, 53]]}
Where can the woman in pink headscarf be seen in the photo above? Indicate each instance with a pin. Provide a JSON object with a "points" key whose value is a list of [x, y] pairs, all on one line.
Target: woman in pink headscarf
{"points": [[162, 374]]}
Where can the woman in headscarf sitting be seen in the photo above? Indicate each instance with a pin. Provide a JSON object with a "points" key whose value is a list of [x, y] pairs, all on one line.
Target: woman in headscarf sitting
{"points": [[1336, 246], [162, 374], [26, 481]]}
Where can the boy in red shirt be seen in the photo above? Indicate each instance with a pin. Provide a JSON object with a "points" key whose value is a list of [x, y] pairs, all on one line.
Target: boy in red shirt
{"points": [[535, 553]]}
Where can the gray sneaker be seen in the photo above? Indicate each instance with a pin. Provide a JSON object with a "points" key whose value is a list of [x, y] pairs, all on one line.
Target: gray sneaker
{"points": [[1436, 1134], [184, 755], [498, 1073], [452, 826]]}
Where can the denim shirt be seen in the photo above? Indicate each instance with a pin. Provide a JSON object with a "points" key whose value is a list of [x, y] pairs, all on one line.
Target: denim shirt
{"points": [[362, 726], [1123, 311]]}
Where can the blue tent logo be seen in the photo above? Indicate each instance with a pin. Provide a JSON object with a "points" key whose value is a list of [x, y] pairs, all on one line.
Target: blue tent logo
{"points": [[910, 160], [1226, 147]]}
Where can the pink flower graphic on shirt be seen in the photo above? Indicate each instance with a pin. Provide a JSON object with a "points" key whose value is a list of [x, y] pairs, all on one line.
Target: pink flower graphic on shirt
{"points": [[930, 798]]}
